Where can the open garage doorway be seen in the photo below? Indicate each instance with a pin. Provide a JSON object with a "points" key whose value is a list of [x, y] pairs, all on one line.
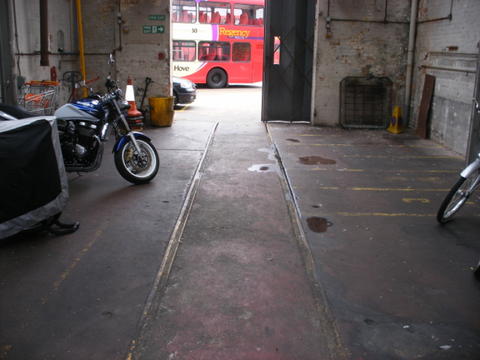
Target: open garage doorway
{"points": [[249, 43], [219, 46], [218, 43]]}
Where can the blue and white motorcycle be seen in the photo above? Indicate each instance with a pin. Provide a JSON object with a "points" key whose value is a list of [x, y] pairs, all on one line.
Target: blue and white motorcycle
{"points": [[84, 128]]}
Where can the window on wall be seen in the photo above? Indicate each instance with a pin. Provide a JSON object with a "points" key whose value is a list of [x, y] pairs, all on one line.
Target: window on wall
{"points": [[241, 52], [214, 13], [248, 14], [184, 11], [213, 51], [183, 50]]}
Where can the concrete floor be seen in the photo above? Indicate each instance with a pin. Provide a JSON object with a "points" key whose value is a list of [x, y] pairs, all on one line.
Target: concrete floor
{"points": [[81, 296], [399, 285], [368, 275]]}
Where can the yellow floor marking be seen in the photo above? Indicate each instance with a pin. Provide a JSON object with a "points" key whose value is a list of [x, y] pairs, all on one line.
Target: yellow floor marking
{"points": [[363, 145], [327, 169], [420, 200], [386, 171], [406, 157], [384, 214], [394, 189], [329, 135], [397, 178], [380, 189], [406, 178], [66, 273], [183, 108], [429, 179]]}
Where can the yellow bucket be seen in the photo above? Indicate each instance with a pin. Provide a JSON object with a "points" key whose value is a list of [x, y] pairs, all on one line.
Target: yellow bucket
{"points": [[161, 111]]}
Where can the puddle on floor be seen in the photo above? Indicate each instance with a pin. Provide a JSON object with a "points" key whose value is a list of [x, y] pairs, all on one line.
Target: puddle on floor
{"points": [[318, 224], [262, 168], [316, 160]]}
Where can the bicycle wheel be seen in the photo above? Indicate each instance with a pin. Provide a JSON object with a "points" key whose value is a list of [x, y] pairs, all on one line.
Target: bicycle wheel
{"points": [[457, 196], [476, 272]]}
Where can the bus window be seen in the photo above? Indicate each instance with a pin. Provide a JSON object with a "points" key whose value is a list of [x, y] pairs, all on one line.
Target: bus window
{"points": [[248, 14], [210, 12], [241, 52], [183, 50], [213, 51], [184, 11]]}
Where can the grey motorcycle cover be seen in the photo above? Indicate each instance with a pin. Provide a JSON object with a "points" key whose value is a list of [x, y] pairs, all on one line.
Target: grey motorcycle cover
{"points": [[33, 182]]}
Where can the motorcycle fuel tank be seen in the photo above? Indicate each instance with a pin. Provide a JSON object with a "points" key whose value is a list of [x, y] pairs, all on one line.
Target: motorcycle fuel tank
{"points": [[72, 112]]}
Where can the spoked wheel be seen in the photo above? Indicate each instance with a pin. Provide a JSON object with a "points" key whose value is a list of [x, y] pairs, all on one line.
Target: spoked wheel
{"points": [[476, 272], [134, 167], [457, 196]]}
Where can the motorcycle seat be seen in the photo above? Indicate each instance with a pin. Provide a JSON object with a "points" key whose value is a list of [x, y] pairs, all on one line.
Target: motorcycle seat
{"points": [[16, 111]]}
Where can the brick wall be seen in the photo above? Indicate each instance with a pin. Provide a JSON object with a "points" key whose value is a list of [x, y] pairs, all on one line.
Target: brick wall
{"points": [[449, 44], [358, 49]]}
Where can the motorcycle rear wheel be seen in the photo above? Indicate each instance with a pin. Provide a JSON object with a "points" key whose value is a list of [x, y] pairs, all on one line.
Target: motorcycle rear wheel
{"points": [[137, 168]]}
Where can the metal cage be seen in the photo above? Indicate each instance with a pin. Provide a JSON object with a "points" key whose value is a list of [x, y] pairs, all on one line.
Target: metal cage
{"points": [[365, 102]]}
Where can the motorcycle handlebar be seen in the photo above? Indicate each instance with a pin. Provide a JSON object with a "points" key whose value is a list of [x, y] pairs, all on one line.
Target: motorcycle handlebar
{"points": [[114, 94]]}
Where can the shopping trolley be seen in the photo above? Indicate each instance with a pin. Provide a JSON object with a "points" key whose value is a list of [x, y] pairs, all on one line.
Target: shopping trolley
{"points": [[38, 97]]}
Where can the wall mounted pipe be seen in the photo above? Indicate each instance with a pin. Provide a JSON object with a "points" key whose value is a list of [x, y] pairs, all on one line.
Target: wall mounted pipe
{"points": [[411, 51], [448, 17], [473, 147], [452, 54], [44, 33], [37, 53], [370, 21], [467, 71], [384, 21], [81, 45]]}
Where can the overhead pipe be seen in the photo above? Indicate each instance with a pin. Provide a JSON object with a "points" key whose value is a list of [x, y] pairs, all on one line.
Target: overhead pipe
{"points": [[44, 33], [411, 52], [81, 45], [384, 21], [433, 67], [448, 17]]}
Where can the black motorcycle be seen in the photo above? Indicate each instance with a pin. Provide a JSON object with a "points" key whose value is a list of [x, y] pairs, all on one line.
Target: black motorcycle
{"points": [[84, 127]]}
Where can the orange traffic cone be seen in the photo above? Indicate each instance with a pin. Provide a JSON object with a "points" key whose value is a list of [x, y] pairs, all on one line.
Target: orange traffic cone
{"points": [[134, 117]]}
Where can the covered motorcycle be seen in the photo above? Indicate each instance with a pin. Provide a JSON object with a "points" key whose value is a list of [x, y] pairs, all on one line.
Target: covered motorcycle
{"points": [[33, 182]]}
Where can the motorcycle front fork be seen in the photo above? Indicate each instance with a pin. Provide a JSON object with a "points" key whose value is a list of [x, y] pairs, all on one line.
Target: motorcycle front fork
{"points": [[129, 131]]}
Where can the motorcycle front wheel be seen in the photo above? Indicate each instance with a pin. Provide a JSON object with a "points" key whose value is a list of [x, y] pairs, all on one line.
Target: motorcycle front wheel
{"points": [[134, 167]]}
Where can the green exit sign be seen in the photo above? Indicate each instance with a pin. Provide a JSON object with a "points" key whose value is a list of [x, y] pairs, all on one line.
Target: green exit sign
{"points": [[156, 17], [153, 29]]}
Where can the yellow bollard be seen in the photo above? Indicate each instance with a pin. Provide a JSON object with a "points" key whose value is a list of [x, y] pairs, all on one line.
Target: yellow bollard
{"points": [[395, 126]]}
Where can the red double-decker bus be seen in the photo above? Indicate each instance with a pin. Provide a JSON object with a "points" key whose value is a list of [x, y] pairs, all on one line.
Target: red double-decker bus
{"points": [[218, 42]]}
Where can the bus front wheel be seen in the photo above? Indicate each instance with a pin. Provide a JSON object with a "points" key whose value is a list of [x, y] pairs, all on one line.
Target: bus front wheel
{"points": [[216, 78]]}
